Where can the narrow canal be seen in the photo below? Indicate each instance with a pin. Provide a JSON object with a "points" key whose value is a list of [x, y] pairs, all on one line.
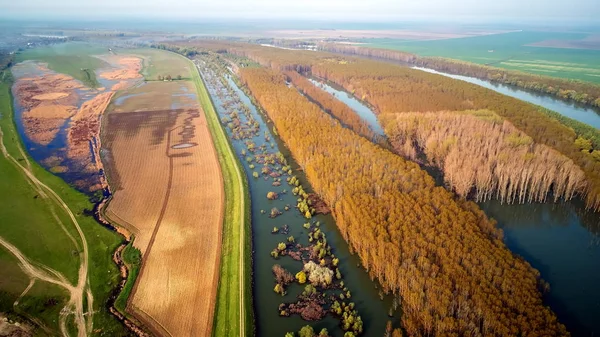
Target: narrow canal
{"points": [[258, 147]]}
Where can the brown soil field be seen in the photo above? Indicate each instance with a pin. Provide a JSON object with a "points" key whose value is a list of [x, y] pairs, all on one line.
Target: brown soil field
{"points": [[51, 111], [128, 68], [51, 96], [158, 96], [172, 199]]}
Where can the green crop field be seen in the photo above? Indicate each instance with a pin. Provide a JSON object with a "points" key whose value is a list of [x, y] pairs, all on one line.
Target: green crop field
{"points": [[42, 231], [159, 63], [510, 51], [71, 58]]}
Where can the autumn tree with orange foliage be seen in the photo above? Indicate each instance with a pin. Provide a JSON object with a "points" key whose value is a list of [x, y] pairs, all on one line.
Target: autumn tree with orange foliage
{"points": [[479, 151], [443, 258], [331, 105]]}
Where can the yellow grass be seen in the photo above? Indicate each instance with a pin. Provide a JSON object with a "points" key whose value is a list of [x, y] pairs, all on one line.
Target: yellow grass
{"points": [[51, 96], [51, 111]]}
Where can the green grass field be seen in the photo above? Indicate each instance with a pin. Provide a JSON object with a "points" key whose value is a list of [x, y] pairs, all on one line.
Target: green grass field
{"points": [[510, 51], [159, 63], [132, 257], [28, 224], [71, 58], [237, 214]]}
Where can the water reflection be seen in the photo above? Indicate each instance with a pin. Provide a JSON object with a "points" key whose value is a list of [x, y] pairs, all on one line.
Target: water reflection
{"points": [[561, 241], [571, 110]]}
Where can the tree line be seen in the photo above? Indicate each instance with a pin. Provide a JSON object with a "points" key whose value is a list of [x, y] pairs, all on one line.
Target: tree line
{"points": [[443, 257], [482, 154], [331, 105], [574, 90]]}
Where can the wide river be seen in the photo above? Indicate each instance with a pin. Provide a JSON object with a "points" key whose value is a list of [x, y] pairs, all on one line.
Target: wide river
{"points": [[561, 240], [569, 109]]}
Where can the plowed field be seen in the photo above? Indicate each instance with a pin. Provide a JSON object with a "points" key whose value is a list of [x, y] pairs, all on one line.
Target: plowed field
{"points": [[167, 188]]}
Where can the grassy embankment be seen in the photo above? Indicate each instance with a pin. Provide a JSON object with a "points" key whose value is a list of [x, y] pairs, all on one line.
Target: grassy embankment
{"points": [[72, 58], [132, 258], [510, 51], [234, 314], [28, 223]]}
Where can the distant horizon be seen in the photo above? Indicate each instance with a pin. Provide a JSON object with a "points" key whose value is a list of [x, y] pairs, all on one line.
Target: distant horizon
{"points": [[539, 11], [125, 21]]}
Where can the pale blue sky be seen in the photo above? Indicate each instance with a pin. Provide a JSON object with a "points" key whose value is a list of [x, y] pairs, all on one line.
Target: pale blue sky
{"points": [[338, 10]]}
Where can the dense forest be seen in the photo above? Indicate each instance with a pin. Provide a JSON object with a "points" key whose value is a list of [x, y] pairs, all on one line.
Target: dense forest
{"points": [[480, 152], [578, 91], [442, 257]]}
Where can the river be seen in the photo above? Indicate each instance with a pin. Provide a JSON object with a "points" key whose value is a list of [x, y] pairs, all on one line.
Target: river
{"points": [[364, 292], [571, 110], [560, 240]]}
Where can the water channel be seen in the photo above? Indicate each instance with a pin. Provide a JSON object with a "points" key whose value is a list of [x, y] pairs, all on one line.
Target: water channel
{"points": [[364, 292], [569, 109]]}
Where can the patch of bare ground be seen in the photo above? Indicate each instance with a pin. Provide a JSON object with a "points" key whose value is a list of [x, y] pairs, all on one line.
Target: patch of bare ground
{"points": [[9, 328], [51, 96]]}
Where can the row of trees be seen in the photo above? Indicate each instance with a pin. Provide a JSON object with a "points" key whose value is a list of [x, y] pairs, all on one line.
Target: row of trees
{"points": [[442, 257], [331, 105], [186, 51], [477, 150], [578, 91]]}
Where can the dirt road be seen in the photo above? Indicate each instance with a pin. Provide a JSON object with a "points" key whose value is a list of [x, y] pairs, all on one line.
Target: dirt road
{"points": [[44, 273]]}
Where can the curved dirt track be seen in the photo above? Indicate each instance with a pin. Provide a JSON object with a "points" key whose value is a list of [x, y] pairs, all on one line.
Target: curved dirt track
{"points": [[76, 292]]}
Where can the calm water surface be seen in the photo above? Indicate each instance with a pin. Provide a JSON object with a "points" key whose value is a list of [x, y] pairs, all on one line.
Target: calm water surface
{"points": [[572, 110]]}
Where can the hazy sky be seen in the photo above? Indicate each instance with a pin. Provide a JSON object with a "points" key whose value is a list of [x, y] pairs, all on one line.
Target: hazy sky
{"points": [[338, 10]]}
